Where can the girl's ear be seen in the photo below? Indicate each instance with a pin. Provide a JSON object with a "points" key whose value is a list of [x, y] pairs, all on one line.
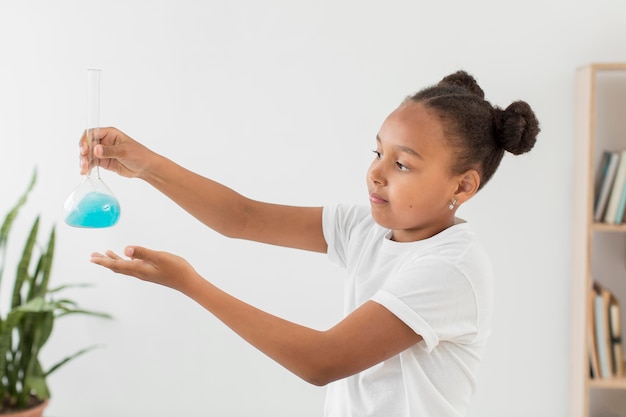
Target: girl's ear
{"points": [[468, 185]]}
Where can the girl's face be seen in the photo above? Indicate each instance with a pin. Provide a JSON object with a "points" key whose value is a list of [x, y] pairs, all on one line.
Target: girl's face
{"points": [[410, 182]]}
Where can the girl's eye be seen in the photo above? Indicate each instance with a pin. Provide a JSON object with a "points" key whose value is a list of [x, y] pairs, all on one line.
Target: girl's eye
{"points": [[401, 166], [378, 154]]}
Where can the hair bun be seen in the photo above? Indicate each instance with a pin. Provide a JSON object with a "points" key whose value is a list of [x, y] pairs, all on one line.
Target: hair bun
{"points": [[464, 80], [516, 127]]}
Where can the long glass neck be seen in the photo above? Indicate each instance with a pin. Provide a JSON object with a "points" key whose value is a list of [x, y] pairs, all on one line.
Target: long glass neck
{"points": [[93, 115], [92, 135]]}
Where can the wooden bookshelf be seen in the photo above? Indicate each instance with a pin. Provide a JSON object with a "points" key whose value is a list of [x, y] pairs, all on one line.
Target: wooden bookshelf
{"points": [[599, 249], [604, 227], [608, 383]]}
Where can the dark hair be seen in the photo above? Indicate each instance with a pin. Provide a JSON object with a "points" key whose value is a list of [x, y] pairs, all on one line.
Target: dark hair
{"points": [[478, 131]]}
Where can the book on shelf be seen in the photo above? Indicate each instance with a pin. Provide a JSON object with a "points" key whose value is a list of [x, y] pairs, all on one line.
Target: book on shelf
{"points": [[594, 367], [615, 324], [612, 214], [602, 169], [602, 332], [621, 208], [604, 184], [604, 338]]}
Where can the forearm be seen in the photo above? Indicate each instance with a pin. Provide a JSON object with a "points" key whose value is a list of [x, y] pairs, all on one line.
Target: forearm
{"points": [[217, 206], [297, 348], [233, 215]]}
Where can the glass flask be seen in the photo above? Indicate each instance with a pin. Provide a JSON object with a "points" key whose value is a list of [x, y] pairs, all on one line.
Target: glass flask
{"points": [[92, 204]]}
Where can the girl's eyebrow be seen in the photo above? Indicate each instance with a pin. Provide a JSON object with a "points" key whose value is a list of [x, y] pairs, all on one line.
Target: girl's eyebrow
{"points": [[404, 149]]}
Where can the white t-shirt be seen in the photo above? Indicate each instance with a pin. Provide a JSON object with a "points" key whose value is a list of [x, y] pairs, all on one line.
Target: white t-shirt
{"points": [[441, 287]]}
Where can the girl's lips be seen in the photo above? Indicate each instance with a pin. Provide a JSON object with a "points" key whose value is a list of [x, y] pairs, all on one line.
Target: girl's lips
{"points": [[376, 199]]}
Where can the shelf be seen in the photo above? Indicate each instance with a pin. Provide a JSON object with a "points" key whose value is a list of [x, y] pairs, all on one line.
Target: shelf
{"points": [[608, 383], [607, 227], [608, 66]]}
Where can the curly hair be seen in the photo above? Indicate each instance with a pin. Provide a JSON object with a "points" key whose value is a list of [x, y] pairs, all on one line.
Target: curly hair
{"points": [[479, 132]]}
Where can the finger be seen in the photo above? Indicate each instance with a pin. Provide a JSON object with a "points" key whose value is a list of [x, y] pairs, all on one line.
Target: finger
{"points": [[138, 252], [112, 255], [83, 152], [102, 260], [118, 264], [115, 151], [83, 143], [98, 151], [84, 165]]}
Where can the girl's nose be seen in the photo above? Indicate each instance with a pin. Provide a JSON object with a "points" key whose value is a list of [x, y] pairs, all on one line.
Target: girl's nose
{"points": [[375, 174]]}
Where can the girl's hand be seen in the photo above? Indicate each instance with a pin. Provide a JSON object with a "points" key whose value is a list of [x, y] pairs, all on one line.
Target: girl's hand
{"points": [[148, 265], [115, 151]]}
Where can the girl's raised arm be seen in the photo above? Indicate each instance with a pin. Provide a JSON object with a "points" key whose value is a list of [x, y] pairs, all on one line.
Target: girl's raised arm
{"points": [[214, 204]]}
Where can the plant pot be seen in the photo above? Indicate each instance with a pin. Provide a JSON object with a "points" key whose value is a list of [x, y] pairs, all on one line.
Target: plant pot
{"points": [[36, 411]]}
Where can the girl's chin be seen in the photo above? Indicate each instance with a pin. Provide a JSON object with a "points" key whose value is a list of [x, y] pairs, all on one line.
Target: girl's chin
{"points": [[381, 220]]}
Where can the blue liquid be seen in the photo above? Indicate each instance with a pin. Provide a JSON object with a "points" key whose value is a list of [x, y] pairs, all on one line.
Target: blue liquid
{"points": [[95, 210]]}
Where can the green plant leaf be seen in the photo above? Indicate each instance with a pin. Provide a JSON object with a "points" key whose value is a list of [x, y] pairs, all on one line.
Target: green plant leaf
{"points": [[46, 325], [69, 358], [37, 305], [39, 386], [86, 313], [35, 382], [41, 277], [22, 268], [10, 218], [66, 286]]}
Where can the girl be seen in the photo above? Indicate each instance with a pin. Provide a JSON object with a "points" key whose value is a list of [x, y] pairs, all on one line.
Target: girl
{"points": [[418, 295]]}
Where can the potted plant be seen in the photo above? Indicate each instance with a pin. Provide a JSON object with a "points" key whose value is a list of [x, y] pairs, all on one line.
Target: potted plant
{"points": [[26, 325]]}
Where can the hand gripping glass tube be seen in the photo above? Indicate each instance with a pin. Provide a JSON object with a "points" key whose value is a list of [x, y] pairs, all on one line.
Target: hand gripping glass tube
{"points": [[92, 204]]}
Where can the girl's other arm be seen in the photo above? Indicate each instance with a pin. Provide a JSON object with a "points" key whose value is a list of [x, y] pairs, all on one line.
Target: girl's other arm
{"points": [[366, 337]]}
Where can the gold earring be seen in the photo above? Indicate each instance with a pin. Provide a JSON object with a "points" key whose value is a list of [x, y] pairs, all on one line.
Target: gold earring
{"points": [[452, 204]]}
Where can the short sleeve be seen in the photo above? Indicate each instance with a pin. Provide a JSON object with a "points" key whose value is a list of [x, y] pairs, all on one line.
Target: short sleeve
{"points": [[338, 222], [435, 299]]}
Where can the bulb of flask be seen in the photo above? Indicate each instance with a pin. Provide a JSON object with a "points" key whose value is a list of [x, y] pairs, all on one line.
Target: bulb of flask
{"points": [[92, 204]]}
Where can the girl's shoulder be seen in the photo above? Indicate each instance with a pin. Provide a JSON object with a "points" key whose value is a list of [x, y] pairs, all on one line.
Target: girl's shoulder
{"points": [[349, 217]]}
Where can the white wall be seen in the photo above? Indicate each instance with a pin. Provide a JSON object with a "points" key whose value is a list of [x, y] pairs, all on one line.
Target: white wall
{"points": [[282, 100]]}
